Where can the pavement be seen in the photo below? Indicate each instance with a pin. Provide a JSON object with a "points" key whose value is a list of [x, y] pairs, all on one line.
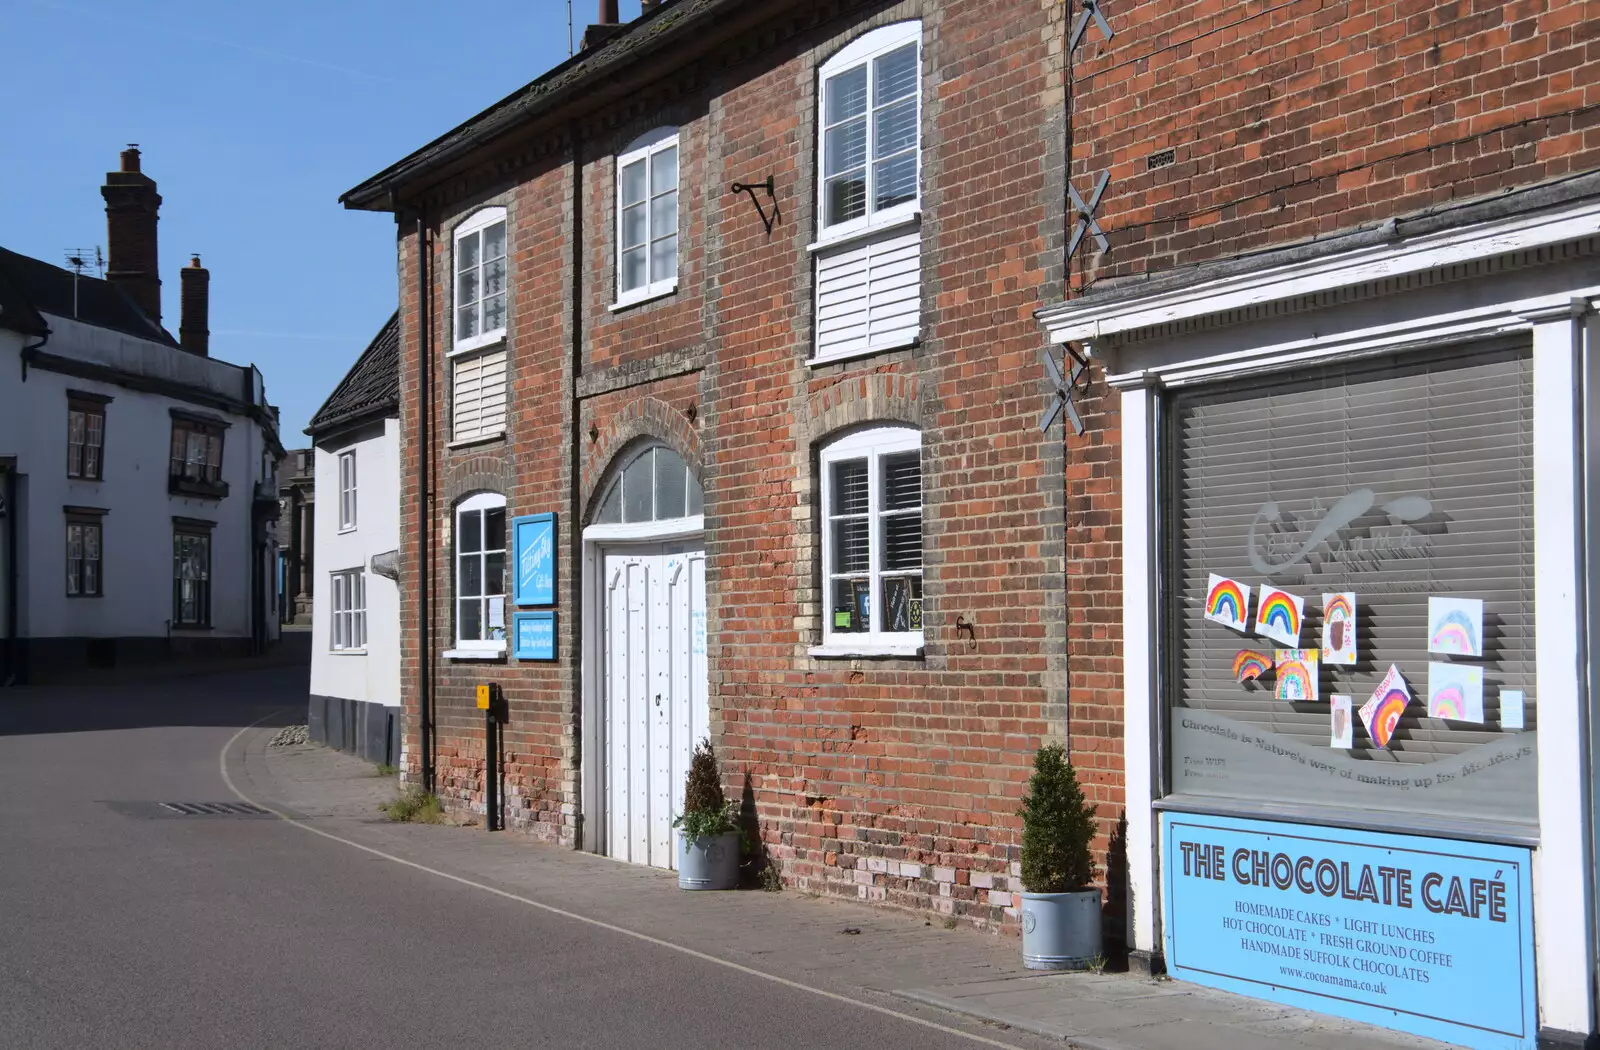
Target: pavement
{"points": [[319, 923]]}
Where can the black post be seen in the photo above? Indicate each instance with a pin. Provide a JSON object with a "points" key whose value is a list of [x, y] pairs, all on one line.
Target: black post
{"points": [[491, 765]]}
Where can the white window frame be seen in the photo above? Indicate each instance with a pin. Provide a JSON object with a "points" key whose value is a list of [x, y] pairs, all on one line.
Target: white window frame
{"points": [[479, 647], [862, 51], [870, 444], [645, 148], [347, 490], [474, 226], [347, 631]]}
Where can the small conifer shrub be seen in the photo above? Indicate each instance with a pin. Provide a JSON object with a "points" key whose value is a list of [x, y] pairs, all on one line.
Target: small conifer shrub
{"points": [[1057, 827], [706, 811]]}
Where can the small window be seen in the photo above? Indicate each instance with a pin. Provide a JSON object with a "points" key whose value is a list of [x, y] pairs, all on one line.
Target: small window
{"points": [[347, 490], [480, 276], [654, 485], [196, 462], [191, 577], [647, 217], [481, 573], [478, 395], [871, 129], [872, 538], [349, 626], [86, 438], [83, 557]]}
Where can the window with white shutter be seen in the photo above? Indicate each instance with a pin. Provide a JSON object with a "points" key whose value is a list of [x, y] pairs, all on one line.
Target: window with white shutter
{"points": [[478, 395], [872, 540], [868, 250]]}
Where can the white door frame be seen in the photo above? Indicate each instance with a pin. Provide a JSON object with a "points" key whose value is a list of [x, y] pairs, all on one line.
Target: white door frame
{"points": [[597, 539]]}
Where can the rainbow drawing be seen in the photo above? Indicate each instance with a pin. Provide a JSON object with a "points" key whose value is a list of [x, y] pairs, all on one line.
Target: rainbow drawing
{"points": [[1278, 616], [1249, 664], [1227, 602], [1382, 712], [1455, 691], [1455, 626], [1339, 628], [1297, 675]]}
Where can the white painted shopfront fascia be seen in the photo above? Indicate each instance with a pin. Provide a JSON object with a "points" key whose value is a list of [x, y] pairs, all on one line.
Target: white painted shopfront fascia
{"points": [[1535, 278]]}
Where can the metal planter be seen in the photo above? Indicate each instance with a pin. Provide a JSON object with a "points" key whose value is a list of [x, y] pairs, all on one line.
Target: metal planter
{"points": [[708, 863], [1060, 931]]}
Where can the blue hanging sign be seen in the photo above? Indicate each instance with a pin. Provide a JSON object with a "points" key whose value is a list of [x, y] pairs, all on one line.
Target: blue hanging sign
{"points": [[534, 547], [1431, 936], [535, 634]]}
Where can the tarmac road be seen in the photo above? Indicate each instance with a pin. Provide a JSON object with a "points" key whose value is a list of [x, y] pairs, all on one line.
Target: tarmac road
{"points": [[127, 926]]}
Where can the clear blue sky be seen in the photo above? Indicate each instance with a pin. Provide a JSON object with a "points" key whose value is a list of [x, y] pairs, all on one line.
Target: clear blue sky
{"points": [[253, 118]]}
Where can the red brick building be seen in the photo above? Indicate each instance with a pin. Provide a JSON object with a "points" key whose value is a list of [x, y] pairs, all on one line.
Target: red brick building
{"points": [[1337, 282], [743, 296]]}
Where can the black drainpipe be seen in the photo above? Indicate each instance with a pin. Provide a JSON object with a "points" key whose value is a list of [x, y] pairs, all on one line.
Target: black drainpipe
{"points": [[574, 474], [8, 666], [424, 508]]}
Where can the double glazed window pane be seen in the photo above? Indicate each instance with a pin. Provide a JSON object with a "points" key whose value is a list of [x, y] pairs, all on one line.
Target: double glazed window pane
{"points": [[874, 131], [480, 574], [874, 543], [481, 281], [648, 220]]}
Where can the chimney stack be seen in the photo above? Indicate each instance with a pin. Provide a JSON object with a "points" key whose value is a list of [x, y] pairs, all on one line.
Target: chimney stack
{"points": [[132, 204], [194, 331], [609, 25]]}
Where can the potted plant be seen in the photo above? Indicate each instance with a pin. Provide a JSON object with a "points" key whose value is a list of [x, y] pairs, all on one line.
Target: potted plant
{"points": [[708, 828], [1060, 906]]}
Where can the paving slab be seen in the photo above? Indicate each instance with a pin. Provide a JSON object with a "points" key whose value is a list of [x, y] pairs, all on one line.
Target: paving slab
{"points": [[841, 946]]}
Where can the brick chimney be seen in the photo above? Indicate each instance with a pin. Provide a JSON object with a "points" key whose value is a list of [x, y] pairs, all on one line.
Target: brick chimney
{"points": [[609, 25], [131, 206], [194, 331]]}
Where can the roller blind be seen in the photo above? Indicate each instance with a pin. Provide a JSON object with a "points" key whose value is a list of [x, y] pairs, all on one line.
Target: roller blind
{"points": [[1396, 478], [869, 294], [479, 395]]}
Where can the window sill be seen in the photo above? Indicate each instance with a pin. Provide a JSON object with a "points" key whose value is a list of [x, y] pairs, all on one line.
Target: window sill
{"points": [[477, 342], [192, 628], [837, 651], [482, 439], [639, 298], [826, 241], [474, 654], [347, 530], [347, 652], [853, 355], [179, 486]]}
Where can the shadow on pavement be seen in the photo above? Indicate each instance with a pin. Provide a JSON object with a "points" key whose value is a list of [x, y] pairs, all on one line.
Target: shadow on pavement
{"points": [[272, 689]]}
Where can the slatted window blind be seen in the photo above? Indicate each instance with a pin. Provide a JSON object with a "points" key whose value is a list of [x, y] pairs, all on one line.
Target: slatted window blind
{"points": [[479, 395], [1267, 481], [869, 295]]}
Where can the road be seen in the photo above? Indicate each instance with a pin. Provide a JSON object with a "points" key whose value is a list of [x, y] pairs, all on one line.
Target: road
{"points": [[126, 927]]}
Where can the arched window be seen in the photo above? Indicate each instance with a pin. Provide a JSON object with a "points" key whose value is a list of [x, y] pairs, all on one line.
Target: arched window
{"points": [[653, 485], [872, 540], [480, 573]]}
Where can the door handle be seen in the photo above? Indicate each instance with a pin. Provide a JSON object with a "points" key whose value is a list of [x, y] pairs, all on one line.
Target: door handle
{"points": [[658, 699]]}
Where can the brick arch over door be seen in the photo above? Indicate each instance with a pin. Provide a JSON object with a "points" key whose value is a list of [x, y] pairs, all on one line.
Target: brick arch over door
{"points": [[642, 418], [883, 397]]}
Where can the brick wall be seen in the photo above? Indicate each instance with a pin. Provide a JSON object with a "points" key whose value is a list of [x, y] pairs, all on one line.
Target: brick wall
{"points": [[1289, 121], [893, 780]]}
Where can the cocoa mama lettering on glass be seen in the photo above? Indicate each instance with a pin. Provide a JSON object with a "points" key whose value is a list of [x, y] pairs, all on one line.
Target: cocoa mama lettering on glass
{"points": [[534, 550]]}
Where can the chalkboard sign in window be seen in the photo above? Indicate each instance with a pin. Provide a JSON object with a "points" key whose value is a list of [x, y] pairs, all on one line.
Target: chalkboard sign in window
{"points": [[534, 539]]}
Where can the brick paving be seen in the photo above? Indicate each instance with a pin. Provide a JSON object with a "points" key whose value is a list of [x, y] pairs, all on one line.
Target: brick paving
{"points": [[911, 957]]}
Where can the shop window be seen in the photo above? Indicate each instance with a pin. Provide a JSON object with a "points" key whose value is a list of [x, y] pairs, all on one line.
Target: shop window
{"points": [[191, 573], [480, 564], [349, 610], [655, 484], [1395, 480], [872, 539], [647, 217], [868, 280]]}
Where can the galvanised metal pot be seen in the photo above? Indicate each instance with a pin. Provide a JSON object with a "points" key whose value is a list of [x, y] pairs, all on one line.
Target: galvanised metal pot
{"points": [[1060, 931], [708, 863]]}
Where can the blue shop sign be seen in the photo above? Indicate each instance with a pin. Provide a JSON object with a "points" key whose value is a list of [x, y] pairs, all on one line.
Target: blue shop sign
{"points": [[535, 635], [534, 548], [1430, 936]]}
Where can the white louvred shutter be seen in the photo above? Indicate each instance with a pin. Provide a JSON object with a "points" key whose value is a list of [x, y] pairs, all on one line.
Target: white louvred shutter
{"points": [[479, 398], [869, 295]]}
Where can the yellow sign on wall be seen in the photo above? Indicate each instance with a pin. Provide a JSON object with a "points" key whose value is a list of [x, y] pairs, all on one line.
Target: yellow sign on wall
{"points": [[483, 697]]}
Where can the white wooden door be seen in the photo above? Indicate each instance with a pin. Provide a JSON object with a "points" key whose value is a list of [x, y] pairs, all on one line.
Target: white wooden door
{"points": [[656, 703]]}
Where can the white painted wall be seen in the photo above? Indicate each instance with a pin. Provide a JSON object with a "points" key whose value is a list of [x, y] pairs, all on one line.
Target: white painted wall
{"points": [[371, 674], [136, 560]]}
